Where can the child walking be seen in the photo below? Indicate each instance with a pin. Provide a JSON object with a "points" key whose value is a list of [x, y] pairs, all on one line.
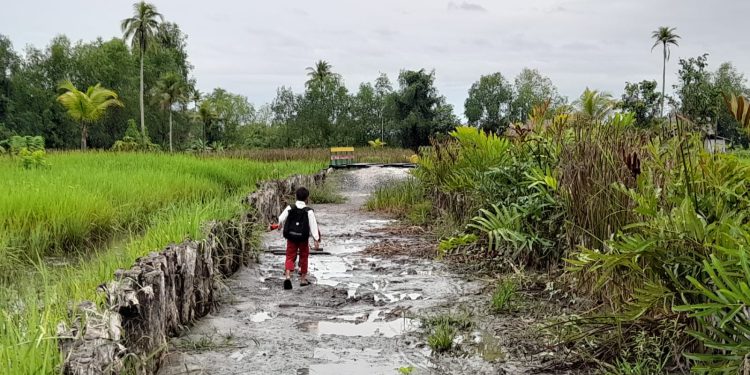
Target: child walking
{"points": [[298, 223]]}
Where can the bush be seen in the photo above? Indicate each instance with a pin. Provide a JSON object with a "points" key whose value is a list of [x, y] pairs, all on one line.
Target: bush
{"points": [[134, 141]]}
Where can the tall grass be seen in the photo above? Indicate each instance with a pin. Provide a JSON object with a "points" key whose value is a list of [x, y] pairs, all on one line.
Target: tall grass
{"points": [[35, 300], [397, 198]]}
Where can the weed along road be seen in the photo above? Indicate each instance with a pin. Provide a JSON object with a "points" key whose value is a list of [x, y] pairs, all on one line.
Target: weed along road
{"points": [[361, 315]]}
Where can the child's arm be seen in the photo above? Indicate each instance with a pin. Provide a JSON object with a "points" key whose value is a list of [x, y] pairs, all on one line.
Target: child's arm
{"points": [[314, 230], [283, 216]]}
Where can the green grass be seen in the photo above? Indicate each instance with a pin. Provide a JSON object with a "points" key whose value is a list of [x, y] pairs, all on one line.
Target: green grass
{"points": [[503, 296], [460, 320], [148, 201], [441, 338], [326, 193], [404, 199], [444, 327], [86, 199]]}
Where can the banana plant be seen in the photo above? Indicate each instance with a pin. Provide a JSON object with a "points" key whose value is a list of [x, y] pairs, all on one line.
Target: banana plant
{"points": [[739, 107]]}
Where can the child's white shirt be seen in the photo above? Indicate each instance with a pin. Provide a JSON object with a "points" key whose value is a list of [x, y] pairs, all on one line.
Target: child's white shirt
{"points": [[310, 218]]}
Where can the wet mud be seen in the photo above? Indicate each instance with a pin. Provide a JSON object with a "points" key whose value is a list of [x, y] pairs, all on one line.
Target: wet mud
{"points": [[361, 315]]}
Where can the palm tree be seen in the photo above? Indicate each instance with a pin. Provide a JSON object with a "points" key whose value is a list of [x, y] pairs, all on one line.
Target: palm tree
{"points": [[87, 107], [320, 72], [140, 29], [170, 89], [664, 36], [196, 96], [594, 104], [206, 115]]}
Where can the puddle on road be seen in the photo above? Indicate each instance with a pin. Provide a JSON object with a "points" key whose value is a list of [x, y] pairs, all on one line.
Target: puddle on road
{"points": [[489, 347], [348, 368], [260, 317], [366, 329]]}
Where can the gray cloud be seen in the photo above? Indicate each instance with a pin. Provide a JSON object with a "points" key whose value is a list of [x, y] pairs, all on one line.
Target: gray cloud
{"points": [[465, 5], [253, 47]]}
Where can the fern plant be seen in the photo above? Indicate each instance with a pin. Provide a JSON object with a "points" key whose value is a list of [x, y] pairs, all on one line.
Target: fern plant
{"points": [[723, 310]]}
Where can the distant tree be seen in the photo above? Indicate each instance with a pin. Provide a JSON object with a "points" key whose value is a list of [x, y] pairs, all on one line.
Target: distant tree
{"points": [[595, 104], [642, 100], [140, 29], [532, 88], [727, 81], [320, 72], [384, 99], [8, 65], [699, 99], [87, 107], [206, 115], [416, 105], [171, 89], [665, 36], [489, 103], [232, 111]]}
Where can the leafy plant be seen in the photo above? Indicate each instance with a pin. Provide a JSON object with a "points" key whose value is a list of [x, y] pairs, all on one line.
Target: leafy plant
{"points": [[739, 107], [377, 143], [406, 370], [32, 159], [447, 246], [723, 309], [134, 141]]}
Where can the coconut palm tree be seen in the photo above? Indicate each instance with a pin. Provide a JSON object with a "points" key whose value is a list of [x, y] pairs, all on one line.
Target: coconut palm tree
{"points": [[664, 36], [170, 89], [594, 104], [87, 107], [140, 29], [320, 72], [206, 115]]}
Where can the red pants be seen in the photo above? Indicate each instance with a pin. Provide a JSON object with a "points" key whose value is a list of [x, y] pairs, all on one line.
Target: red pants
{"points": [[291, 254]]}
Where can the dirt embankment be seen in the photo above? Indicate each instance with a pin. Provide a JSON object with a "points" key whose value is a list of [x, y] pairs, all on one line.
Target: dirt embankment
{"points": [[164, 293]]}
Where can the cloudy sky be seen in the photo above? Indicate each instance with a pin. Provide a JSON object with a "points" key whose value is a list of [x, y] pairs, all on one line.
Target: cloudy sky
{"points": [[252, 47]]}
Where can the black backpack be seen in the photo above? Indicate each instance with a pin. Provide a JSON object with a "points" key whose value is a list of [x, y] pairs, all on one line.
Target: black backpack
{"points": [[297, 226]]}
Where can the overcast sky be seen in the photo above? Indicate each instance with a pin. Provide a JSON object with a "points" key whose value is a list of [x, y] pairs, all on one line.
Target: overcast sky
{"points": [[252, 47]]}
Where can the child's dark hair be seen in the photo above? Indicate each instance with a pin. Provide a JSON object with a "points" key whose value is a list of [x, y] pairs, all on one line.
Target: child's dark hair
{"points": [[302, 194]]}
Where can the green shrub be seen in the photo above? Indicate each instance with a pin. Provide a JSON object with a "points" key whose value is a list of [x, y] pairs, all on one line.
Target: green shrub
{"points": [[134, 141], [723, 309], [32, 159]]}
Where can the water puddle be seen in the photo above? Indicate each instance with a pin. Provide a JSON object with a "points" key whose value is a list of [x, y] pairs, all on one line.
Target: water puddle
{"points": [[379, 221], [489, 347], [366, 329], [349, 368], [260, 317]]}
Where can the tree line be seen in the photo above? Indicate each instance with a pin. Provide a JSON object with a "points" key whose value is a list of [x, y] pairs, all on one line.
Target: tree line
{"points": [[151, 98]]}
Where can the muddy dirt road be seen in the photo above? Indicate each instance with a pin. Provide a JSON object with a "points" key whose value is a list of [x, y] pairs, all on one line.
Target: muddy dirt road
{"points": [[357, 318]]}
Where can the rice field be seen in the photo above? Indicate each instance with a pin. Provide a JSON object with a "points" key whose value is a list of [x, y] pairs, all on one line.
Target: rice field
{"points": [[95, 213]]}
